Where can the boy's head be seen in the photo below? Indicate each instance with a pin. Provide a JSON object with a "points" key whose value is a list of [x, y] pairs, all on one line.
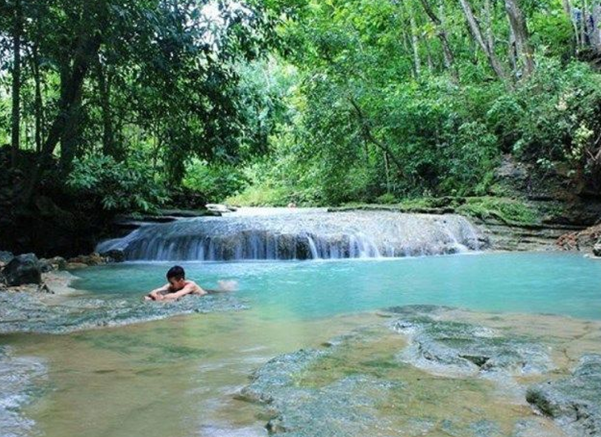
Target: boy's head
{"points": [[176, 276]]}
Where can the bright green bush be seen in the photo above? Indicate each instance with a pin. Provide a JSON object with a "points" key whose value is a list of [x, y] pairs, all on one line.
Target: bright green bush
{"points": [[261, 195], [216, 182], [118, 186], [554, 118]]}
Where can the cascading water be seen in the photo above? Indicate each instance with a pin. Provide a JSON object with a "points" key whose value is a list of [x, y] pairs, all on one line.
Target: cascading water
{"points": [[299, 234]]}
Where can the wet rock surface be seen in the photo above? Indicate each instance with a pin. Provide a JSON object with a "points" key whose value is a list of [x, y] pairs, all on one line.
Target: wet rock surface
{"points": [[597, 248], [448, 347], [52, 264], [312, 234], [357, 386], [345, 407], [42, 313], [21, 382], [22, 269], [278, 374], [575, 402], [114, 256], [5, 257], [93, 259]]}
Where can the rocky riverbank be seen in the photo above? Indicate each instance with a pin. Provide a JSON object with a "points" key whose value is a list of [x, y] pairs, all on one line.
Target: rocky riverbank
{"points": [[439, 371], [37, 296], [27, 273], [524, 210]]}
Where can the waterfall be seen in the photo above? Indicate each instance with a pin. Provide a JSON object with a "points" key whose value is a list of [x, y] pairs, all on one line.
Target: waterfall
{"points": [[299, 234]]}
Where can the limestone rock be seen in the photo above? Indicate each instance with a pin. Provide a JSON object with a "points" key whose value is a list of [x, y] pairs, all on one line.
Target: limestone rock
{"points": [[75, 266], [52, 264], [114, 255], [23, 269], [574, 402], [597, 248], [94, 259], [43, 288], [6, 257], [449, 347]]}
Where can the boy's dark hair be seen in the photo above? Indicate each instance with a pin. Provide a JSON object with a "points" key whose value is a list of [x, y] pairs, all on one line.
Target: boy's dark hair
{"points": [[176, 272]]}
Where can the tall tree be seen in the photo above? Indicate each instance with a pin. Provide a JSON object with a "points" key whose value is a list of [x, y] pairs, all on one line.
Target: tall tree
{"points": [[477, 34], [90, 24], [38, 102], [519, 31], [16, 78], [441, 33]]}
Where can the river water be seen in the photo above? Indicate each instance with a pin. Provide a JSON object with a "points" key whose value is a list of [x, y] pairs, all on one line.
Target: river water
{"points": [[181, 375]]}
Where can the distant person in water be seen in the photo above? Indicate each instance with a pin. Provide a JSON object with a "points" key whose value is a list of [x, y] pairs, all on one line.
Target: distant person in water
{"points": [[176, 287]]}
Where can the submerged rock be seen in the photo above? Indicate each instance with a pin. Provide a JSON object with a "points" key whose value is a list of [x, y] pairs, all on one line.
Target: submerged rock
{"points": [[456, 348], [43, 313], [75, 266], [346, 407], [23, 269], [574, 402], [355, 387], [278, 374]]}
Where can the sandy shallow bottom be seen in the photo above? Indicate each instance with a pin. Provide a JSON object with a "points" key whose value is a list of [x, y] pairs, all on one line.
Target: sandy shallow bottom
{"points": [[182, 376]]}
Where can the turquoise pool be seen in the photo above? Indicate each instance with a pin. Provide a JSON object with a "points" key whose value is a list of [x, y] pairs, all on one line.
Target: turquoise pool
{"points": [[554, 283]]}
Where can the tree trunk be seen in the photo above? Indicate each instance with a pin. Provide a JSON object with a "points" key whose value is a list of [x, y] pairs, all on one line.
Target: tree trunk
{"points": [[596, 31], [87, 49], [16, 83], [71, 136], [108, 137], [368, 135], [429, 60], [512, 53], [567, 6], [583, 33], [490, 37], [387, 171], [442, 36], [414, 41], [520, 32], [38, 103], [479, 39]]}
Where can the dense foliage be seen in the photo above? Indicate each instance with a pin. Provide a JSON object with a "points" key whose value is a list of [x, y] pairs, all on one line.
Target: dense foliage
{"points": [[390, 102], [124, 79], [304, 101]]}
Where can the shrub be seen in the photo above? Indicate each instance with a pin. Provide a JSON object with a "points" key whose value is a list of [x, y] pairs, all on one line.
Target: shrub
{"points": [[216, 182], [118, 186]]}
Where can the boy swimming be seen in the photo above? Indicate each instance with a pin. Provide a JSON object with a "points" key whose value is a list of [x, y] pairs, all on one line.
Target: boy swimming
{"points": [[176, 287]]}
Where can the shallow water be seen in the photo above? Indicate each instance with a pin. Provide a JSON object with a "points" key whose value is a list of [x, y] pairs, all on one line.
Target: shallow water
{"points": [[180, 376], [174, 377]]}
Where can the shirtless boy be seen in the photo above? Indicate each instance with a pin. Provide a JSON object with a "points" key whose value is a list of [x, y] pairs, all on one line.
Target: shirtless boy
{"points": [[176, 287]]}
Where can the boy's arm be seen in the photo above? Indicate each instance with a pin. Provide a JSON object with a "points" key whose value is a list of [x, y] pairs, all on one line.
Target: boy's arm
{"points": [[186, 290], [156, 292]]}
